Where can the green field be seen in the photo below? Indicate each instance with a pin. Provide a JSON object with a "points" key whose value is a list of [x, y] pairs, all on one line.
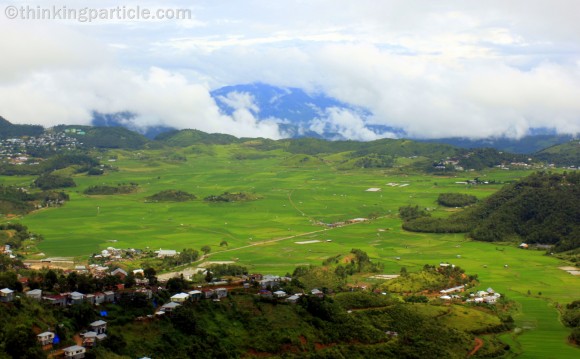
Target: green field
{"points": [[296, 194]]}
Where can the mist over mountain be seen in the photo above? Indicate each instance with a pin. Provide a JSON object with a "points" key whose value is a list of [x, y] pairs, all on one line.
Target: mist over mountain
{"points": [[297, 113], [302, 114]]}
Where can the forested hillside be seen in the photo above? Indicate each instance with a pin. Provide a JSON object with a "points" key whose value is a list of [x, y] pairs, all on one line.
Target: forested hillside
{"points": [[541, 208]]}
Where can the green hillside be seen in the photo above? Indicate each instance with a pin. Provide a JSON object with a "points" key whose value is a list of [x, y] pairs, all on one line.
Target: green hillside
{"points": [[8, 130], [189, 137], [539, 209], [105, 137], [566, 154]]}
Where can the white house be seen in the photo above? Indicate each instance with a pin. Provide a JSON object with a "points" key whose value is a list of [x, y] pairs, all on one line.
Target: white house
{"points": [[76, 297], [453, 290], [279, 294], [35, 294], [45, 338], [6, 295], [180, 297], [74, 352], [99, 326], [162, 253]]}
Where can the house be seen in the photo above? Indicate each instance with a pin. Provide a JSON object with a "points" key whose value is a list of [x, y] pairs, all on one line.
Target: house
{"points": [[59, 300], [179, 297], [35, 294], [147, 293], [109, 297], [138, 272], [279, 294], [119, 273], [221, 292], [89, 339], [317, 292], [490, 299], [99, 326], [74, 352], [90, 298], [6, 295], [293, 299], [452, 290], [270, 281], [76, 298], [195, 294], [169, 307], [445, 297], [162, 253], [207, 293], [45, 338], [99, 298]]}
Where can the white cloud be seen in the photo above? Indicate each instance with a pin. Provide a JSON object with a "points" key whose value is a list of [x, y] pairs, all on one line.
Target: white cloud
{"points": [[442, 68]]}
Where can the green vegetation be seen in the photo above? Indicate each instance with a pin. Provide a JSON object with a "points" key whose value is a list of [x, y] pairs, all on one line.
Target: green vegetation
{"points": [[232, 197], [15, 200], [105, 137], [9, 130], [302, 202], [430, 278], [567, 154], [171, 196], [456, 199], [111, 190], [52, 181], [571, 318], [541, 208], [186, 138]]}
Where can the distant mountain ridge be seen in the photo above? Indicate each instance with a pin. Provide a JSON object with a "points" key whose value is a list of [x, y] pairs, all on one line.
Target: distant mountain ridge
{"points": [[299, 114]]}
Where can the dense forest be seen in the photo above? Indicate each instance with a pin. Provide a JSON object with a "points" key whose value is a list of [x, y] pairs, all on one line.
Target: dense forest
{"points": [[539, 209]]}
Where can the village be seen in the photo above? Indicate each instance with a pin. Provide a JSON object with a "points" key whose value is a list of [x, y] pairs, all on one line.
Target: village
{"points": [[24, 150], [169, 294]]}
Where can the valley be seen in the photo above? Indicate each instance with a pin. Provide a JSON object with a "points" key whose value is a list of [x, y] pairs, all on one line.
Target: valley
{"points": [[303, 210]]}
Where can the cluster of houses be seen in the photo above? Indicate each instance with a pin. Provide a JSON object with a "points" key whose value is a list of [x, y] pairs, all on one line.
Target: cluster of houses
{"points": [[15, 150], [488, 296], [283, 296], [90, 339], [195, 295]]}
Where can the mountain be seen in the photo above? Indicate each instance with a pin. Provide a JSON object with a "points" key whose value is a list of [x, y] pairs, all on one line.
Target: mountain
{"points": [[565, 154], [525, 145], [298, 113], [8, 129]]}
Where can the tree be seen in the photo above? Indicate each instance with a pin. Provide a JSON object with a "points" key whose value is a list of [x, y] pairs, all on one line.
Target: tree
{"points": [[151, 275], [20, 342], [208, 276], [223, 243], [206, 249], [130, 280]]}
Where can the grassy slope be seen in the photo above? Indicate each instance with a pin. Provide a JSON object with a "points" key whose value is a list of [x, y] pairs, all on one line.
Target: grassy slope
{"points": [[294, 196]]}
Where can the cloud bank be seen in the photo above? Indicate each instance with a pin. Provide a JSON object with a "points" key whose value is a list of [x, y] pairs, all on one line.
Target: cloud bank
{"points": [[434, 70]]}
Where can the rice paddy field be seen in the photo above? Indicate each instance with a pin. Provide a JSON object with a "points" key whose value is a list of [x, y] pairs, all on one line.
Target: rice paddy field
{"points": [[296, 196]]}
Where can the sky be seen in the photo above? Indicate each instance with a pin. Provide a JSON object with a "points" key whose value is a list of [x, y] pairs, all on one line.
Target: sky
{"points": [[432, 68]]}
